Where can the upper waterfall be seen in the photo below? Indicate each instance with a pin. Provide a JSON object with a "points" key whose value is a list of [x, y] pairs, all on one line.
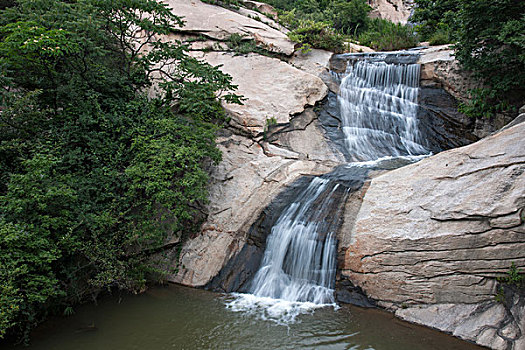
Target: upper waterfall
{"points": [[378, 105]]}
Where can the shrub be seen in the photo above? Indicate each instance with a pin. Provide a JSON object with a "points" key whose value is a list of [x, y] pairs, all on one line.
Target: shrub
{"points": [[349, 17], [383, 35], [317, 34], [441, 37]]}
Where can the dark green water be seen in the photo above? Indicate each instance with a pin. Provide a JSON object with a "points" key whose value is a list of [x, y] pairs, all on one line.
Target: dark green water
{"points": [[182, 318]]}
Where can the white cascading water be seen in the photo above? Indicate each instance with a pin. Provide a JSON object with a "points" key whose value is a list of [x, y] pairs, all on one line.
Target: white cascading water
{"points": [[298, 265], [378, 105]]}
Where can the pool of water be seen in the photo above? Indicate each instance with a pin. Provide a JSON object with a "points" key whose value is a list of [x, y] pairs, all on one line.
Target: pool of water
{"points": [[176, 317]]}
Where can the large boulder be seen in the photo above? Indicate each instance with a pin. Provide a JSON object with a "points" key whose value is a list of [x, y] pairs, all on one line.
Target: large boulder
{"points": [[274, 90], [219, 24], [430, 239], [397, 11]]}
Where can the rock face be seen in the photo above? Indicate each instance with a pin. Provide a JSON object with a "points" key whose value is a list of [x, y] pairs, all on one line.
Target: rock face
{"points": [[430, 239], [397, 11], [219, 24], [440, 70], [275, 91]]}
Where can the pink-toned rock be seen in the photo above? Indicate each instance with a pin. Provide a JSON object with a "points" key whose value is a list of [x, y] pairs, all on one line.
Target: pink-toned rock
{"points": [[219, 24], [274, 89], [397, 11], [435, 235]]}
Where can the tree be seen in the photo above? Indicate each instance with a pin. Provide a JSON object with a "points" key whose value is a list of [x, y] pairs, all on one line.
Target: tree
{"points": [[95, 175], [491, 44], [350, 17], [436, 18]]}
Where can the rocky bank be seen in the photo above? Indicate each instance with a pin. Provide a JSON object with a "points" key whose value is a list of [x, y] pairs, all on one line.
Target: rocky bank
{"points": [[425, 241], [273, 138], [430, 239]]}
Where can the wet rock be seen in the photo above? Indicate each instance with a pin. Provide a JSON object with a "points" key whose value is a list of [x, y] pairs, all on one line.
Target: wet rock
{"points": [[439, 69], [241, 186], [443, 125], [347, 293], [238, 272]]}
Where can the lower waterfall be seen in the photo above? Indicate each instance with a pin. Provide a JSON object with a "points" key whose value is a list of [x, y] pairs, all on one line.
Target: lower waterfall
{"points": [[378, 107], [299, 263]]}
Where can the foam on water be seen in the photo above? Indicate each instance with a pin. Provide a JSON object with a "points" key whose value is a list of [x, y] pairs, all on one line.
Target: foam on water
{"points": [[280, 311]]}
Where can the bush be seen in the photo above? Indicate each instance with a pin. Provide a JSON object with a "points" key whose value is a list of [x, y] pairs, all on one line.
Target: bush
{"points": [[383, 35], [95, 175], [349, 17], [436, 19], [441, 37], [317, 34]]}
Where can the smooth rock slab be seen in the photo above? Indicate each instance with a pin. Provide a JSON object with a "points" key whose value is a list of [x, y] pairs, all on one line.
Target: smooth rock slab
{"points": [[273, 89], [219, 23], [440, 231]]}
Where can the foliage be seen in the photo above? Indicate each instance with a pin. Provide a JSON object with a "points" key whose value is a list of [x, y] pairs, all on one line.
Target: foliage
{"points": [[242, 45], [515, 279], [306, 48], [327, 24], [383, 35], [514, 276], [436, 20], [349, 17], [443, 35], [318, 35], [94, 174], [491, 44], [233, 4]]}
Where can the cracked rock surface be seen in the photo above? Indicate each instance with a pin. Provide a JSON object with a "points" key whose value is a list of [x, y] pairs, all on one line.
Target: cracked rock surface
{"points": [[430, 239], [218, 23]]}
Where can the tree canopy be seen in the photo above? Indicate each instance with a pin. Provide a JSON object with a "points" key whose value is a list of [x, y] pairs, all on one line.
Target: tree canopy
{"points": [[489, 38], [106, 134]]}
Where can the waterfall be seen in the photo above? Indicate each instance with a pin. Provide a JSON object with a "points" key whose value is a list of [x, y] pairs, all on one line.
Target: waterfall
{"points": [[299, 262], [378, 108], [378, 104]]}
